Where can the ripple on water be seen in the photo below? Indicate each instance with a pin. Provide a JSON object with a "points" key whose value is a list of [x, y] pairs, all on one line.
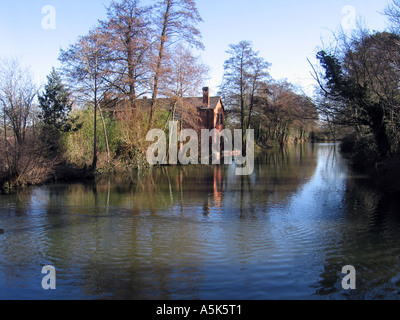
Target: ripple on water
{"points": [[285, 232]]}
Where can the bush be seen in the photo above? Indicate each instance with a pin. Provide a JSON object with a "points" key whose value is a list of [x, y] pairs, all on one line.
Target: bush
{"points": [[365, 154], [24, 163], [348, 143], [126, 135], [78, 144]]}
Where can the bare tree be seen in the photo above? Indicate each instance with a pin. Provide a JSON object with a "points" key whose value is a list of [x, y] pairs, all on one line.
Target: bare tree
{"points": [[235, 84], [257, 75], [85, 65], [244, 73], [21, 158], [175, 20], [392, 11], [126, 32], [17, 93], [185, 73]]}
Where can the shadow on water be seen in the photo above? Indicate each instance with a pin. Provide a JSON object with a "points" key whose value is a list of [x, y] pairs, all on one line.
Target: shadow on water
{"points": [[367, 238]]}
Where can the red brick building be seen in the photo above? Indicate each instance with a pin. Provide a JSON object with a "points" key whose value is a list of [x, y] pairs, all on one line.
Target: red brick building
{"points": [[210, 110]]}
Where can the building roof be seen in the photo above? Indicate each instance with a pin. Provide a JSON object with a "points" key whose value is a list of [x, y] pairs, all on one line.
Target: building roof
{"points": [[213, 102], [166, 102], [145, 103]]}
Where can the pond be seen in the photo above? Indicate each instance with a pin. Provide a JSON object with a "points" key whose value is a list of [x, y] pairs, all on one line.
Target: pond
{"points": [[201, 232]]}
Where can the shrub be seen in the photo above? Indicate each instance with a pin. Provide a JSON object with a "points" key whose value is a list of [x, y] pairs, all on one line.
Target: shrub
{"points": [[365, 154], [348, 143], [78, 144]]}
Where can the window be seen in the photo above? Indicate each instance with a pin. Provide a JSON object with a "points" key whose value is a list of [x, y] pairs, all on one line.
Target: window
{"points": [[220, 119]]}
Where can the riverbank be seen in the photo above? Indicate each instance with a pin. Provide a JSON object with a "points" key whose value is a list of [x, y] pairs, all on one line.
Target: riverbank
{"points": [[65, 171], [124, 164], [383, 174]]}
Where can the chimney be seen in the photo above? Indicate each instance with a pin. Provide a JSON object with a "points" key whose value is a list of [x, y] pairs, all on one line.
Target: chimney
{"points": [[206, 97]]}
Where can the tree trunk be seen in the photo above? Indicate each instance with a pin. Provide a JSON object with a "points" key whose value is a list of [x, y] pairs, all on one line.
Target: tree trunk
{"points": [[159, 63], [94, 163], [242, 107], [105, 135], [250, 110], [131, 77], [6, 143]]}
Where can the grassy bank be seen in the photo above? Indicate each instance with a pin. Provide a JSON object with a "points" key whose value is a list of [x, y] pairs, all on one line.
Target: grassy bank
{"points": [[121, 149]]}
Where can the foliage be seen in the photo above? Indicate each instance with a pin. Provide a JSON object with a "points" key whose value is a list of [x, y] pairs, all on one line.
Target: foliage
{"points": [[55, 107], [255, 100], [126, 137], [22, 159], [184, 74], [244, 74], [54, 103], [77, 144], [175, 21], [360, 84], [127, 49], [135, 52]]}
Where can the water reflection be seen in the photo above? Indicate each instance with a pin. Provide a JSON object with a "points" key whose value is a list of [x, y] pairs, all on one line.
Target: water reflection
{"points": [[201, 232]]}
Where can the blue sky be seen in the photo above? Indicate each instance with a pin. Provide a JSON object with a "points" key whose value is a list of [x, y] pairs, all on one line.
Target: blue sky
{"points": [[285, 32]]}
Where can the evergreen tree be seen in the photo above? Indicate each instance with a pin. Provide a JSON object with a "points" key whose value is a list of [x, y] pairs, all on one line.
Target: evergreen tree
{"points": [[55, 107]]}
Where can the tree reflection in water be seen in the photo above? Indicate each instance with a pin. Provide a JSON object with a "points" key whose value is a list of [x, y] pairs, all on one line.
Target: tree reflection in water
{"points": [[201, 232]]}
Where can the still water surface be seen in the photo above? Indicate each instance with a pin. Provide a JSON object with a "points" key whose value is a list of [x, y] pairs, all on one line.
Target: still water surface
{"points": [[201, 232]]}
